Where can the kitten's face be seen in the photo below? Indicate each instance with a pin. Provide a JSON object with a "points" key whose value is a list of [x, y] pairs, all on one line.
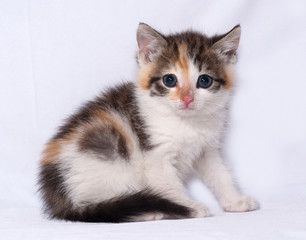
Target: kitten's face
{"points": [[188, 72]]}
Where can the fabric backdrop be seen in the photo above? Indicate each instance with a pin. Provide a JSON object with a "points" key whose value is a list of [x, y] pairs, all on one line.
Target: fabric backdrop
{"points": [[54, 55]]}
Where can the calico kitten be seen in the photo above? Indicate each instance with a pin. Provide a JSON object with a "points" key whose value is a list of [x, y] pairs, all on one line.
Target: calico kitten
{"points": [[125, 155]]}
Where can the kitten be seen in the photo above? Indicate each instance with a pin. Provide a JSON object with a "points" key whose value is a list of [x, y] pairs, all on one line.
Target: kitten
{"points": [[125, 155]]}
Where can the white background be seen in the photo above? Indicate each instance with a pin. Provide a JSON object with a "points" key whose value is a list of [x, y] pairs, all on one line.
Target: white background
{"points": [[54, 55]]}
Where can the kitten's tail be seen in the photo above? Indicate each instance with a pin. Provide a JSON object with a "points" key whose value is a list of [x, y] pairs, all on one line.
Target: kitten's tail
{"points": [[128, 207]]}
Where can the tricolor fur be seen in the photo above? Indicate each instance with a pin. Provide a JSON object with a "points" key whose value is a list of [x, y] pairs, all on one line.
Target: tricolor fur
{"points": [[126, 155]]}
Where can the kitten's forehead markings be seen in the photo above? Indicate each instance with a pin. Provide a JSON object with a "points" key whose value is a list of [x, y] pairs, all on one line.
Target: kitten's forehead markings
{"points": [[182, 65]]}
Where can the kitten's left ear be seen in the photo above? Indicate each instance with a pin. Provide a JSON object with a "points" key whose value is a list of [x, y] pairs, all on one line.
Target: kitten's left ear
{"points": [[227, 44], [150, 43]]}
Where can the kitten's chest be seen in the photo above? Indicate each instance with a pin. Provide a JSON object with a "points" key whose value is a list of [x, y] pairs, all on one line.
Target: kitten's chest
{"points": [[182, 139]]}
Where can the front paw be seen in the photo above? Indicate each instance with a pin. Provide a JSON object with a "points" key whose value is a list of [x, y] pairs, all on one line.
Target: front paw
{"points": [[200, 211], [243, 204]]}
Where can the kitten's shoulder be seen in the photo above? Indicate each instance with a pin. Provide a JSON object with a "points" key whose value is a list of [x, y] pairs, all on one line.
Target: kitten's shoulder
{"points": [[120, 98]]}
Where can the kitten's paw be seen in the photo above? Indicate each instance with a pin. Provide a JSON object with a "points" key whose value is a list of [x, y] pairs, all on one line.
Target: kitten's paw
{"points": [[243, 204], [152, 217], [200, 211]]}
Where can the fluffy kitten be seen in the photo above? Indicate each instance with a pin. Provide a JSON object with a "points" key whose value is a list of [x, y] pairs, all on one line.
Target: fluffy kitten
{"points": [[125, 155]]}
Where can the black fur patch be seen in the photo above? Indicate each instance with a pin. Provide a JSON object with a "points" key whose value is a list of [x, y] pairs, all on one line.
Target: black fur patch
{"points": [[216, 85], [105, 141], [124, 208], [53, 192], [157, 89], [221, 81], [154, 80]]}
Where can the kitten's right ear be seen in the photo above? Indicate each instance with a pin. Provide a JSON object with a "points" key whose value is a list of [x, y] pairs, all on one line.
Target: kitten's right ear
{"points": [[150, 43]]}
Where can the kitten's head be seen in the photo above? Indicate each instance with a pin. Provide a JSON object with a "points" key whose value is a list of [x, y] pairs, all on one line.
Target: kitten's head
{"points": [[188, 72]]}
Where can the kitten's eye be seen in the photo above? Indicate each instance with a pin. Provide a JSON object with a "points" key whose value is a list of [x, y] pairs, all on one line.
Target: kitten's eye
{"points": [[170, 80], [204, 81]]}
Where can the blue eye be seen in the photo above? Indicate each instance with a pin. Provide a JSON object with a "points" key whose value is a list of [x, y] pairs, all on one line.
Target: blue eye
{"points": [[204, 81], [170, 80]]}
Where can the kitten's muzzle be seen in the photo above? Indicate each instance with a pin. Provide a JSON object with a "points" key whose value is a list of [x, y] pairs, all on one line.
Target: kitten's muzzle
{"points": [[187, 100]]}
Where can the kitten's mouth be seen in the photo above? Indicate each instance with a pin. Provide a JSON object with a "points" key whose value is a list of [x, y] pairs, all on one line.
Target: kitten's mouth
{"points": [[184, 108]]}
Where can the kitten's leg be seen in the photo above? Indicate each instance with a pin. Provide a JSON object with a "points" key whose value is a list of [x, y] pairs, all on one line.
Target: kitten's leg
{"points": [[218, 178], [162, 177]]}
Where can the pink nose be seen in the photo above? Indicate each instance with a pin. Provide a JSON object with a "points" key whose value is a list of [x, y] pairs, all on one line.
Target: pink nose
{"points": [[187, 100]]}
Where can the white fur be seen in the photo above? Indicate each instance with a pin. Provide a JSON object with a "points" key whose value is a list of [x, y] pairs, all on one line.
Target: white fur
{"points": [[92, 179]]}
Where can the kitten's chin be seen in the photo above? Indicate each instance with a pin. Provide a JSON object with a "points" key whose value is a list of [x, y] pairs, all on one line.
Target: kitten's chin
{"points": [[186, 112], [186, 109]]}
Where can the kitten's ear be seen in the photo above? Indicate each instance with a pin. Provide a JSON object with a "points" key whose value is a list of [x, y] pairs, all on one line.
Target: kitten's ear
{"points": [[227, 44], [150, 43]]}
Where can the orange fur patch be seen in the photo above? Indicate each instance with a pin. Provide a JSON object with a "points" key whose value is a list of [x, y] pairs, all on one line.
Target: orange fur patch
{"points": [[174, 95], [144, 74], [230, 76], [182, 65], [53, 148], [183, 60], [51, 152], [108, 118]]}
